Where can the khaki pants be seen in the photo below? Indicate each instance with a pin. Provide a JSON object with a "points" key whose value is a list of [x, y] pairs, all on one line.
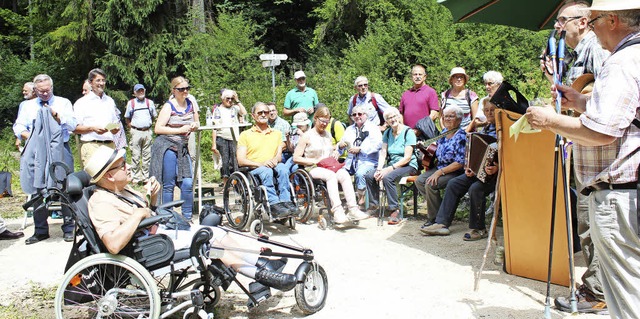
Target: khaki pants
{"points": [[87, 149], [140, 153]]}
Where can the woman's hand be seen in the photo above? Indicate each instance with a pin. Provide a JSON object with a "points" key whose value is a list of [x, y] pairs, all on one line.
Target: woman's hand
{"points": [[381, 173], [354, 150], [335, 154], [433, 179]]}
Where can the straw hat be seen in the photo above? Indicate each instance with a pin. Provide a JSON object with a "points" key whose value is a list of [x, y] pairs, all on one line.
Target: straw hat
{"points": [[614, 5], [584, 83], [301, 119], [458, 70], [101, 161]]}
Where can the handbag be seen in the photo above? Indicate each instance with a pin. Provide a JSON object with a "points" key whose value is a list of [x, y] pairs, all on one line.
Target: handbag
{"points": [[330, 163]]}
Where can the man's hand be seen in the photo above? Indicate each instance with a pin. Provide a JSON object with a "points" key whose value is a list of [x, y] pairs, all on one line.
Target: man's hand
{"points": [[541, 117], [99, 130], [417, 132], [469, 172], [571, 99], [354, 150], [152, 188], [18, 142]]}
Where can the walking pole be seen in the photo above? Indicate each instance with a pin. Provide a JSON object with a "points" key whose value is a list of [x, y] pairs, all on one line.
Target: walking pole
{"points": [[567, 203], [547, 305], [380, 204]]}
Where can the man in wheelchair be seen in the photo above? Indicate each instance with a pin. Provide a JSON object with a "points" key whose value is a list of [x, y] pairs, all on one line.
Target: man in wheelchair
{"points": [[260, 149], [116, 211]]}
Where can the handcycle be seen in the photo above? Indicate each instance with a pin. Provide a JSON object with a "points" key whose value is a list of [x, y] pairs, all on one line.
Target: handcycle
{"points": [[150, 279]]}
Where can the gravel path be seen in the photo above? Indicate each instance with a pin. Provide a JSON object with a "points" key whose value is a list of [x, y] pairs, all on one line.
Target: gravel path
{"points": [[374, 272]]}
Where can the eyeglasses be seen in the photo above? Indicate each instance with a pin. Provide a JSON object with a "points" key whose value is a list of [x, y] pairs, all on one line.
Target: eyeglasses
{"points": [[262, 112], [592, 22], [363, 85], [561, 20], [417, 74], [490, 83], [227, 98], [324, 121], [43, 92], [186, 88], [121, 166], [450, 117], [358, 114]]}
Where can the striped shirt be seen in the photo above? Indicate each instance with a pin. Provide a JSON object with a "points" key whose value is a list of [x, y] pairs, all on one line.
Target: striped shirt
{"points": [[613, 106]]}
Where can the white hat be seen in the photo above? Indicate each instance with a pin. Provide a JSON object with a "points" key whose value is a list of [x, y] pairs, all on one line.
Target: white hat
{"points": [[301, 119], [101, 161], [299, 74], [458, 70], [614, 5]]}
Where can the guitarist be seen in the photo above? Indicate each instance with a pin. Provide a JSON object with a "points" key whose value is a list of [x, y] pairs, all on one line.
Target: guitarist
{"points": [[458, 186], [450, 155]]}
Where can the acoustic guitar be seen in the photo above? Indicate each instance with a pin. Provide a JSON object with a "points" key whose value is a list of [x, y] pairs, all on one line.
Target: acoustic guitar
{"points": [[428, 149]]}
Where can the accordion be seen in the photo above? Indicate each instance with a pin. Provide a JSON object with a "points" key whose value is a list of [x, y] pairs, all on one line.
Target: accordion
{"points": [[480, 151]]}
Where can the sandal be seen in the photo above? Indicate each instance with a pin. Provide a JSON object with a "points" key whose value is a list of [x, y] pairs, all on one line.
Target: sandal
{"points": [[475, 234], [393, 218]]}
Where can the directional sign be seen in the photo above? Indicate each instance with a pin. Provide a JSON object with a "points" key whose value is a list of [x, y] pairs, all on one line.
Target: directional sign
{"points": [[272, 56], [270, 63]]}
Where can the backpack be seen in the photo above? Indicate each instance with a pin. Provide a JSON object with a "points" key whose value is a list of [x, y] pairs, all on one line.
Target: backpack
{"points": [[133, 107], [332, 128], [375, 104], [445, 94], [416, 152]]}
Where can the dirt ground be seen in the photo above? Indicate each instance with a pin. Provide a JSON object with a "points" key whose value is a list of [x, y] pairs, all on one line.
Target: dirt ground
{"points": [[374, 272]]}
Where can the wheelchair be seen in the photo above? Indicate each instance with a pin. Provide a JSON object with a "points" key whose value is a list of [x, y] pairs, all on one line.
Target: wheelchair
{"points": [[247, 207], [308, 192], [149, 279]]}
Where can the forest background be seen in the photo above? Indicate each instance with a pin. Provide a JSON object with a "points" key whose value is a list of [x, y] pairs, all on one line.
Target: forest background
{"points": [[216, 44]]}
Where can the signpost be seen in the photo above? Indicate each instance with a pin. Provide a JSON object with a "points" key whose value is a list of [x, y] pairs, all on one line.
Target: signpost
{"points": [[272, 60]]}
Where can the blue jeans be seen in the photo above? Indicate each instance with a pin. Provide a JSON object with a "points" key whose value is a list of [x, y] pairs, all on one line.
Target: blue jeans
{"points": [[389, 182], [265, 175], [169, 181], [361, 172]]}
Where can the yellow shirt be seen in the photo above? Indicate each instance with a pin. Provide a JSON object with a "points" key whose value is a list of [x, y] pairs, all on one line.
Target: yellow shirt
{"points": [[261, 145]]}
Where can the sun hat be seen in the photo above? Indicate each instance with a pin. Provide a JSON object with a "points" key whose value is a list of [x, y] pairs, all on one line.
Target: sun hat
{"points": [[301, 119], [614, 5], [299, 74], [458, 70], [101, 161], [584, 83]]}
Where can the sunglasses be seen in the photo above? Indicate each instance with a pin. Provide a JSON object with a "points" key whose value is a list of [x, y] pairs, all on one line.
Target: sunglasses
{"points": [[324, 121], [262, 113], [357, 114], [121, 166], [592, 22], [186, 88], [363, 85], [228, 98]]}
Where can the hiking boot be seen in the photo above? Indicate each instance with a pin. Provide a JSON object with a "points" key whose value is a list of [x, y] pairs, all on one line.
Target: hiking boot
{"points": [[276, 280], [436, 230], [356, 214], [427, 224], [586, 302]]}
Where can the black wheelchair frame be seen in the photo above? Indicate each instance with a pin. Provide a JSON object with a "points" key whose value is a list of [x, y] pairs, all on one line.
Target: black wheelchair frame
{"points": [[149, 279]]}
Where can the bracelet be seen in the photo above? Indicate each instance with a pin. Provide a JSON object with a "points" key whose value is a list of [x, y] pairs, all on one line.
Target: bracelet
{"points": [[442, 171]]}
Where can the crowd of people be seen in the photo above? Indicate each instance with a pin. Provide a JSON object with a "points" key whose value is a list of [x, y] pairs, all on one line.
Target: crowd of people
{"points": [[377, 148]]}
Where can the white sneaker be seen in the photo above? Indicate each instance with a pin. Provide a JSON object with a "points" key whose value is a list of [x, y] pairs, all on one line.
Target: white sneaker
{"points": [[356, 214], [339, 217]]}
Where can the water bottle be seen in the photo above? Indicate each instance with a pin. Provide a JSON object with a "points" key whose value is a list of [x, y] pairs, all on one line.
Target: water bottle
{"points": [[209, 119]]}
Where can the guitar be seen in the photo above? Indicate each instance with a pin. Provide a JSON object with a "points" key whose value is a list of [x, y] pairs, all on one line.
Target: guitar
{"points": [[428, 149]]}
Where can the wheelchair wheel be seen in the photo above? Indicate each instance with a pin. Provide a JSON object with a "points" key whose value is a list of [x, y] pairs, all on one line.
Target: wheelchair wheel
{"points": [[106, 285], [303, 196], [238, 201], [211, 295], [256, 227], [311, 294]]}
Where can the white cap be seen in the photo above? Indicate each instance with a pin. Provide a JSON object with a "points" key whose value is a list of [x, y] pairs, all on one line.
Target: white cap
{"points": [[299, 74], [458, 70]]}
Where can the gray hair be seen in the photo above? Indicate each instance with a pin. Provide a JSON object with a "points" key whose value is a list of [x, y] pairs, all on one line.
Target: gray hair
{"points": [[456, 109], [95, 72], [390, 112], [41, 78], [360, 79], [30, 85], [493, 76], [582, 6], [227, 93], [255, 106], [631, 18], [358, 108]]}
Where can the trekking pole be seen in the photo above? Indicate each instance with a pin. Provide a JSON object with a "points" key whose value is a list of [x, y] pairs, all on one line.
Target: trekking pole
{"points": [[565, 186], [547, 304], [380, 204]]}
